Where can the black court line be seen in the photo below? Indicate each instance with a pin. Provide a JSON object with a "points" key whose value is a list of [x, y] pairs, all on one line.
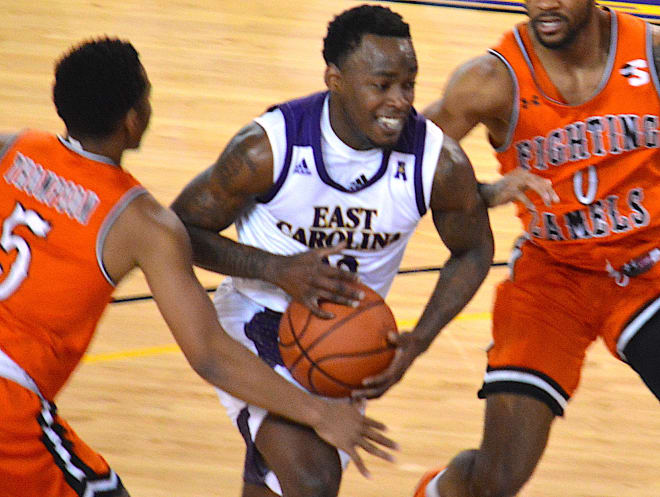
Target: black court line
{"points": [[430, 269]]}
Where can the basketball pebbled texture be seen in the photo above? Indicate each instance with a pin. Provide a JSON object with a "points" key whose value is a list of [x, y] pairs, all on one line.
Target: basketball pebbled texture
{"points": [[331, 357]]}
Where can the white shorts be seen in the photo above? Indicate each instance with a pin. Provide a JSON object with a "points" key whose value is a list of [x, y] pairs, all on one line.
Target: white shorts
{"points": [[235, 311]]}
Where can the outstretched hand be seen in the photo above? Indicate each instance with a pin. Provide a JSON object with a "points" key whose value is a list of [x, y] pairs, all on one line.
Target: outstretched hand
{"points": [[309, 279], [407, 350], [345, 427], [514, 185]]}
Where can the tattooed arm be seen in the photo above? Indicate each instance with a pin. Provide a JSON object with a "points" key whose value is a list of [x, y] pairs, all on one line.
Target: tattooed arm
{"points": [[214, 199], [461, 219]]}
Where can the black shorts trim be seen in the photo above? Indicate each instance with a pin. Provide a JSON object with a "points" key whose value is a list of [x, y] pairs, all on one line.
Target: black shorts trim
{"points": [[528, 382], [78, 475], [255, 468]]}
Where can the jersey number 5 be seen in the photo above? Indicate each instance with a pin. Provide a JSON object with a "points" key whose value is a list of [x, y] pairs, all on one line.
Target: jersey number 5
{"points": [[9, 241]]}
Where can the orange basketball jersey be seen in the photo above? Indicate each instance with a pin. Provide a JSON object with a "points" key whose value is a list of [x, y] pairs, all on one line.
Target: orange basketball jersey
{"points": [[602, 156], [56, 204]]}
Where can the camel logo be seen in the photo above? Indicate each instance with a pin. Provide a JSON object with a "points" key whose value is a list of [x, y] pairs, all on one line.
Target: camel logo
{"points": [[635, 71]]}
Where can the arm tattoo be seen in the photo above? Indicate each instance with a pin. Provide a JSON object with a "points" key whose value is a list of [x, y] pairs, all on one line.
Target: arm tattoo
{"points": [[234, 159], [213, 251]]}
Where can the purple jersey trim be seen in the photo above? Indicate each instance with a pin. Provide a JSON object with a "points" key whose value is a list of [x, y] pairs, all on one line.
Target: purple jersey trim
{"points": [[303, 128], [420, 140]]}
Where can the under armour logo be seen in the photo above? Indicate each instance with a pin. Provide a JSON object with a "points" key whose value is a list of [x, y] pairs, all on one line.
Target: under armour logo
{"points": [[301, 168], [634, 71], [533, 101]]}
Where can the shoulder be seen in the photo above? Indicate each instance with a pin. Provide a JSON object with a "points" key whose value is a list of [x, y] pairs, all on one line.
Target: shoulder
{"points": [[150, 226], [479, 91], [482, 82], [150, 215], [454, 182], [143, 232], [246, 164]]}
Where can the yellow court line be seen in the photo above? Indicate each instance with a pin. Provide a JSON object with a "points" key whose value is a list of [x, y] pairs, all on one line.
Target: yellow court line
{"points": [[168, 349], [129, 354], [475, 316]]}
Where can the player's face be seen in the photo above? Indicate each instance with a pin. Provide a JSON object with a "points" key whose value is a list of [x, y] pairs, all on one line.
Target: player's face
{"points": [[373, 92], [557, 23]]}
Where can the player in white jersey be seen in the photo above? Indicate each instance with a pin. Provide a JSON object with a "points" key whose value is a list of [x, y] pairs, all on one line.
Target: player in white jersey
{"points": [[342, 176]]}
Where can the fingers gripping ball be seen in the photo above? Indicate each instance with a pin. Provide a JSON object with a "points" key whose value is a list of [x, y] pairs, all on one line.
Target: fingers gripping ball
{"points": [[331, 357]]}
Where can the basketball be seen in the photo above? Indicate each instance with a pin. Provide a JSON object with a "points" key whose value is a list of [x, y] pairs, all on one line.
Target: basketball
{"points": [[331, 357]]}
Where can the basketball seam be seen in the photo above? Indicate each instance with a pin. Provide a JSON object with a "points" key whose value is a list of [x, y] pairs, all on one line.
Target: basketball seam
{"points": [[356, 354], [304, 352], [341, 323], [317, 366], [296, 340]]}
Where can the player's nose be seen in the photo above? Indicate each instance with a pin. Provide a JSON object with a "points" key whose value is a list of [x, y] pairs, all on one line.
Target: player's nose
{"points": [[399, 98]]}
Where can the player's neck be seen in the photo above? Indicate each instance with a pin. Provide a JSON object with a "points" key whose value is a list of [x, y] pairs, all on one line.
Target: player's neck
{"points": [[340, 124], [105, 147], [589, 50]]}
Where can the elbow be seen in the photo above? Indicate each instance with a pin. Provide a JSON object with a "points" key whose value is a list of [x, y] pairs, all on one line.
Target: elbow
{"points": [[210, 366], [211, 372], [203, 366], [482, 254]]}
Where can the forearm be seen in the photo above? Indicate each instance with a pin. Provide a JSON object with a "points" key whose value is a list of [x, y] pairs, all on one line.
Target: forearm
{"points": [[215, 252], [240, 373], [459, 280], [487, 192]]}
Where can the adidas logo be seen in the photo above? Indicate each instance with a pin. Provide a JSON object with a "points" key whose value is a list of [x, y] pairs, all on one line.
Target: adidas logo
{"points": [[302, 168], [358, 183]]}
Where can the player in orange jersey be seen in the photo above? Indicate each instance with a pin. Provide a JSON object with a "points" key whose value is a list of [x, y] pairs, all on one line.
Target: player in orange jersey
{"points": [[74, 223], [570, 101]]}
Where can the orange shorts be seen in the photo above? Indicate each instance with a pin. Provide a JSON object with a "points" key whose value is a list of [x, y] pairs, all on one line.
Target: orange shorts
{"points": [[41, 456], [547, 314]]}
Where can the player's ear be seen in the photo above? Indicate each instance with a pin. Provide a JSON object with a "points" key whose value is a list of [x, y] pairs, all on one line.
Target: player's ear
{"points": [[133, 127], [333, 78], [132, 121]]}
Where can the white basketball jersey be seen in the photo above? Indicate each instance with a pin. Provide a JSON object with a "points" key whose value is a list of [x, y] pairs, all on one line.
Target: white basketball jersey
{"points": [[325, 193]]}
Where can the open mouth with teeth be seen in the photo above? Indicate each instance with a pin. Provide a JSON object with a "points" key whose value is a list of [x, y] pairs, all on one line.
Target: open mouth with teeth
{"points": [[391, 124], [549, 26]]}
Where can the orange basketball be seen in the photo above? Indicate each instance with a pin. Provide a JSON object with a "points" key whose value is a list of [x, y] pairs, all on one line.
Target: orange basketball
{"points": [[331, 357]]}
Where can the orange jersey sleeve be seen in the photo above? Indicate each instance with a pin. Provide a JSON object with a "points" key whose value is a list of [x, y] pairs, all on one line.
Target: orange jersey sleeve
{"points": [[602, 156], [56, 205]]}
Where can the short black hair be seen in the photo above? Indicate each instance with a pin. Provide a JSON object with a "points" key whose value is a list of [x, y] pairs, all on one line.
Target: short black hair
{"points": [[96, 84], [345, 31]]}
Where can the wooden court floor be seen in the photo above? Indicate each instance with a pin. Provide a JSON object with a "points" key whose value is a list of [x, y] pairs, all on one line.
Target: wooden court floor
{"points": [[214, 65]]}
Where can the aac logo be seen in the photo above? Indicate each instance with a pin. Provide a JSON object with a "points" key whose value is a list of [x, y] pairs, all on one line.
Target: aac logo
{"points": [[634, 70]]}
